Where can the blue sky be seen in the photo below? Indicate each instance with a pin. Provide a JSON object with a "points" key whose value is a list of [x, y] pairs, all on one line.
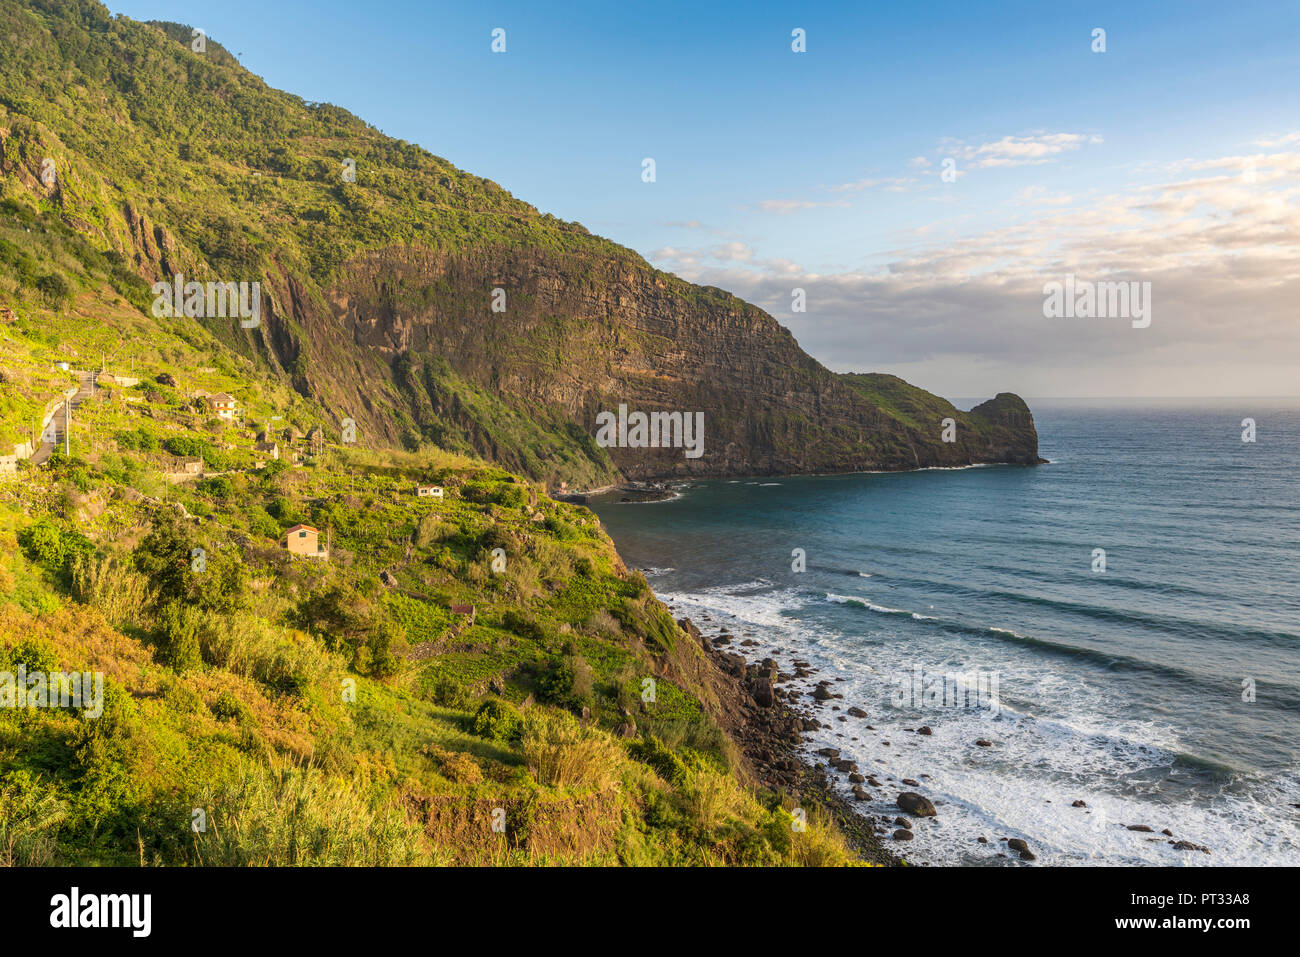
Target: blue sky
{"points": [[820, 170]]}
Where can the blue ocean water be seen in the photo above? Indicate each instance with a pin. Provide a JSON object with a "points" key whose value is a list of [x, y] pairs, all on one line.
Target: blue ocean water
{"points": [[1163, 690]]}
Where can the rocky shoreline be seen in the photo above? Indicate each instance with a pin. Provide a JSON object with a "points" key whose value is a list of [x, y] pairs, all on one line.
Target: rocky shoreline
{"points": [[769, 732], [627, 492], [771, 736], [770, 722]]}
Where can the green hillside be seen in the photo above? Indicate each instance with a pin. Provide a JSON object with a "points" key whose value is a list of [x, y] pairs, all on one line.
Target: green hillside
{"points": [[378, 261], [338, 711]]}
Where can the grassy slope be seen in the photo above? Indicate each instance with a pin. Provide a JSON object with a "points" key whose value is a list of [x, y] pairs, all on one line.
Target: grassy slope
{"points": [[908, 404], [254, 727]]}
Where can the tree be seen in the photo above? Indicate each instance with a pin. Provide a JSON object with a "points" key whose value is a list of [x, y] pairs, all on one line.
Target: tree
{"points": [[163, 557], [55, 289], [211, 580]]}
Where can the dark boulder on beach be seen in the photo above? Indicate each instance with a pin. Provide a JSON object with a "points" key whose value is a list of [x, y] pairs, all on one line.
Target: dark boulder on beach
{"points": [[1189, 846], [984, 744], [914, 804], [902, 835], [857, 712], [1018, 845], [911, 783], [761, 689], [924, 729], [1140, 827], [1078, 804]]}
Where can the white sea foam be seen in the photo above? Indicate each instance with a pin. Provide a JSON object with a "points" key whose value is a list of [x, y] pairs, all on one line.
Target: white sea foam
{"points": [[1044, 757], [863, 603]]}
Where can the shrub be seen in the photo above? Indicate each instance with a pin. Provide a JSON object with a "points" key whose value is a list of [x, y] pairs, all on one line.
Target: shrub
{"points": [[42, 542], [187, 446], [30, 818], [138, 440], [55, 289], [567, 681], [497, 720], [110, 584], [507, 494], [603, 624], [177, 637], [255, 649], [655, 753], [261, 523], [229, 708], [707, 796], [523, 626], [379, 659], [271, 469], [292, 816], [164, 556], [285, 510], [561, 753], [219, 487], [449, 692], [51, 547], [432, 529], [32, 655], [459, 767], [654, 623]]}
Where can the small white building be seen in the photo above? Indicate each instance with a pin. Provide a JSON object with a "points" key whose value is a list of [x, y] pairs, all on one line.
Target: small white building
{"points": [[429, 491], [224, 406]]}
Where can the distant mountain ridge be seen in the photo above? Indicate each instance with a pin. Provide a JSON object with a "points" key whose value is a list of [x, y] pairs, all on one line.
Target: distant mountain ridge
{"points": [[379, 292]]}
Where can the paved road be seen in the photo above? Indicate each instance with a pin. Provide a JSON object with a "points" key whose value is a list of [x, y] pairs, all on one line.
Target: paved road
{"points": [[56, 424]]}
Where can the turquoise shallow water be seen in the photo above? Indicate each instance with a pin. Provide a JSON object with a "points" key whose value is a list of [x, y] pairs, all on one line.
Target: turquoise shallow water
{"points": [[1122, 687]]}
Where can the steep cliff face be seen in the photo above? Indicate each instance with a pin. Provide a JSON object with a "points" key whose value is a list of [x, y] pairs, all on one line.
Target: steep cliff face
{"points": [[580, 335], [378, 291]]}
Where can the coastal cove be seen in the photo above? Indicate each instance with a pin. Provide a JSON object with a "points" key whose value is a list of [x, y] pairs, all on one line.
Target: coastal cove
{"points": [[1160, 693]]}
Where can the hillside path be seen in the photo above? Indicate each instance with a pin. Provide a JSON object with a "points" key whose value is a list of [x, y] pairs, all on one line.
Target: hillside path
{"points": [[53, 436]]}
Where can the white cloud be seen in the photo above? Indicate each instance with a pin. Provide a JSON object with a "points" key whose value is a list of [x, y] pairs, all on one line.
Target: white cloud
{"points": [[1020, 150], [963, 313], [790, 205], [893, 184], [1286, 139]]}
